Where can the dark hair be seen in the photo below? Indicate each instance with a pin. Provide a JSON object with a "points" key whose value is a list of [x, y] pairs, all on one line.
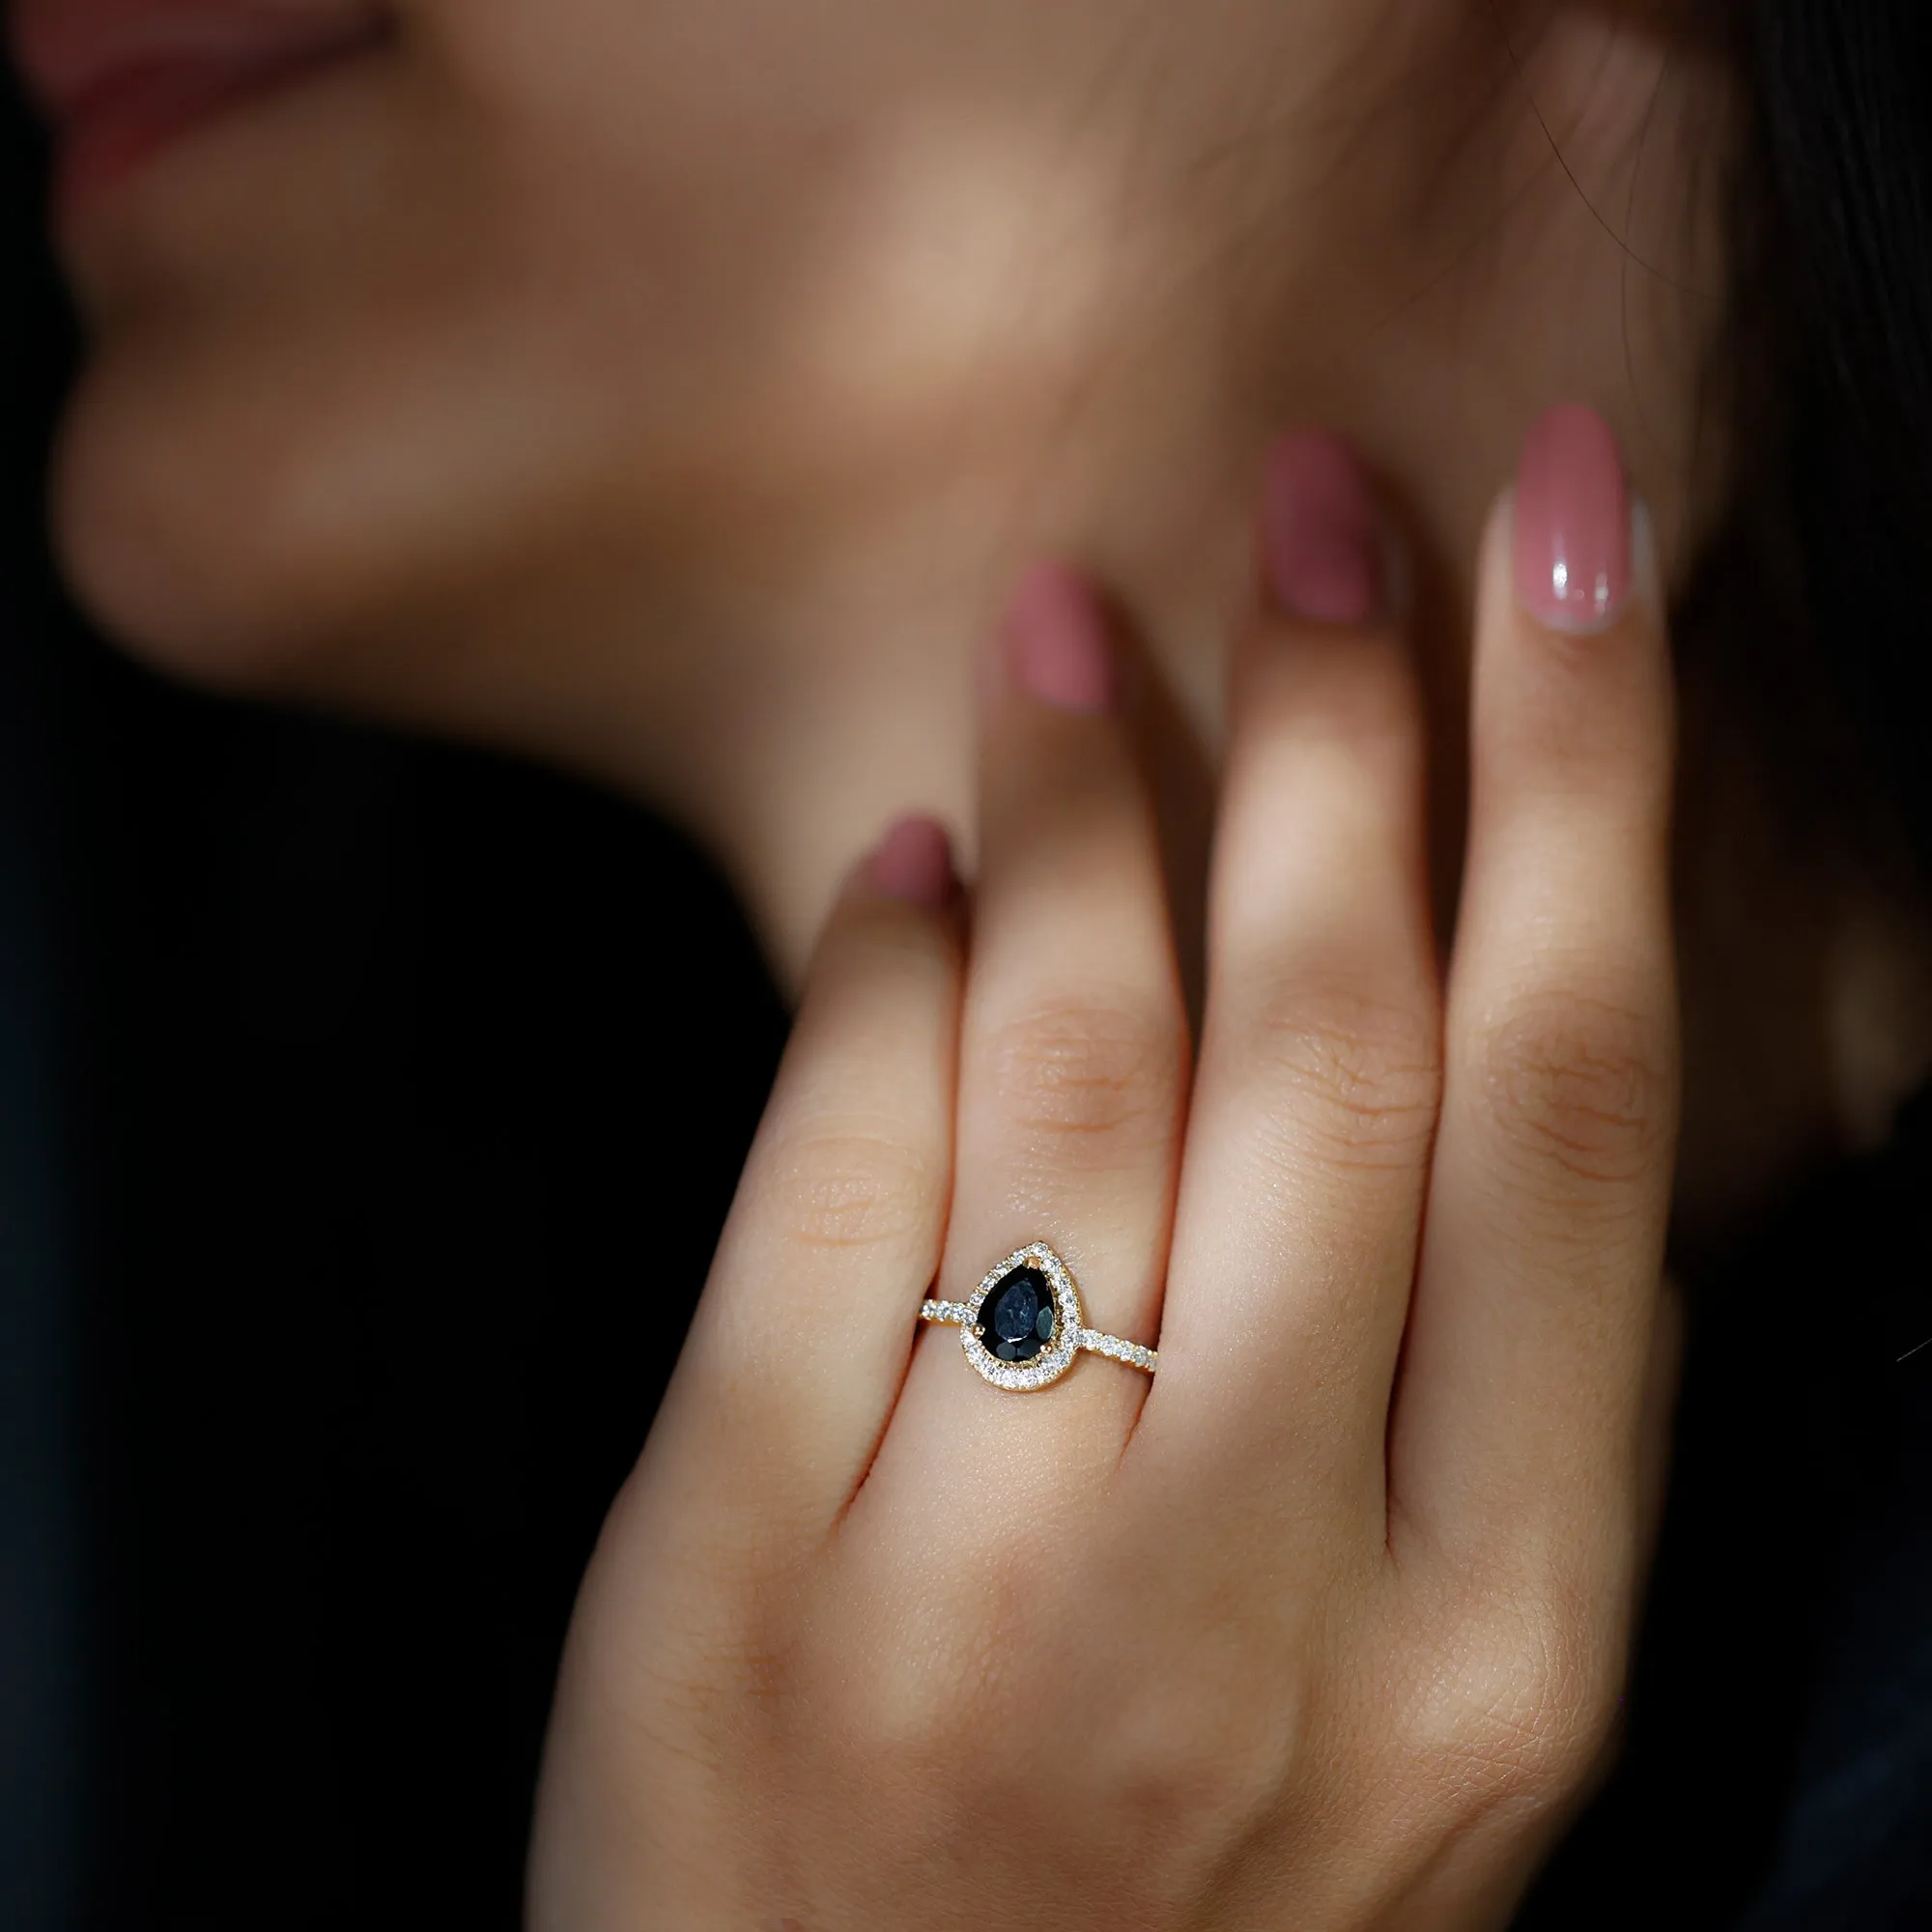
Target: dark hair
{"points": [[1841, 277]]}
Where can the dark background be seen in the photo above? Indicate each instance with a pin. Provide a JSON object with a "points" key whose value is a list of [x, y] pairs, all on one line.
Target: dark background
{"points": [[344, 1084]]}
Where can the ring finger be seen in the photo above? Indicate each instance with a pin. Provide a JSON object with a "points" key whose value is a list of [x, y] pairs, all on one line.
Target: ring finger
{"points": [[1073, 1049]]}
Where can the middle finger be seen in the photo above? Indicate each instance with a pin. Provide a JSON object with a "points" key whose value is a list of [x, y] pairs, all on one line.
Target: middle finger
{"points": [[1302, 1191]]}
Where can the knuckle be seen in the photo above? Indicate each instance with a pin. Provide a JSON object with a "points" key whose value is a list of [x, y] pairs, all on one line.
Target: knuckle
{"points": [[1088, 1077], [850, 1187], [1578, 1085], [1526, 1705], [1362, 1074]]}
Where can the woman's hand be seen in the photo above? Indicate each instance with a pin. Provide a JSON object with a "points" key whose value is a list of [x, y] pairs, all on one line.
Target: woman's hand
{"points": [[1323, 1628]]}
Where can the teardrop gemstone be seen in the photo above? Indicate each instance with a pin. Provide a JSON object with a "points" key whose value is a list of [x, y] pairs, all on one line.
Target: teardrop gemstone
{"points": [[1019, 1315]]}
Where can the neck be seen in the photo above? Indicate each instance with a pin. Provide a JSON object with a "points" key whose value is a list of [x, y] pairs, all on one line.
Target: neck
{"points": [[857, 702], [837, 695], [788, 718]]}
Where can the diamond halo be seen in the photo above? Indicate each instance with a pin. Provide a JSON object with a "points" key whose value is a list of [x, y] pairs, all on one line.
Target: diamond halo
{"points": [[1070, 1331]]}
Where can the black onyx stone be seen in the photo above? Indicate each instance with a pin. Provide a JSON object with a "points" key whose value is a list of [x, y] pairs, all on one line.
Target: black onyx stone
{"points": [[1019, 1315]]}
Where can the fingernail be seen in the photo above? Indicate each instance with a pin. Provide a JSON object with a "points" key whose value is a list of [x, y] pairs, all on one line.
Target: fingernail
{"points": [[1055, 641], [1320, 535], [1573, 522], [913, 861]]}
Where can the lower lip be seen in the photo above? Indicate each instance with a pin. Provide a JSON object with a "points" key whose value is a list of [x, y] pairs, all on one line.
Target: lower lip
{"points": [[109, 133]]}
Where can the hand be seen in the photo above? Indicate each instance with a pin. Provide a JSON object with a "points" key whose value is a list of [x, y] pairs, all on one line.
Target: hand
{"points": [[1322, 1628]]}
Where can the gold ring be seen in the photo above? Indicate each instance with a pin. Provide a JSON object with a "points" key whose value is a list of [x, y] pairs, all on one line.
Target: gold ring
{"points": [[1022, 1326]]}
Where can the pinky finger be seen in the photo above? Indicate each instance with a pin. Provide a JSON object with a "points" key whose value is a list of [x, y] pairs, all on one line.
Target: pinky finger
{"points": [[807, 1322]]}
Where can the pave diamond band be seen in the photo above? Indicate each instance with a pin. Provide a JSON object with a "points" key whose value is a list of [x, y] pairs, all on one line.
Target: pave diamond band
{"points": [[1130, 1352], [1022, 1326]]}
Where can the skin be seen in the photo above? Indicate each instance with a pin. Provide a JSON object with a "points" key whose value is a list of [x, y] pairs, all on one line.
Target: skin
{"points": [[1288, 1637], [677, 397], [677, 392], [680, 395]]}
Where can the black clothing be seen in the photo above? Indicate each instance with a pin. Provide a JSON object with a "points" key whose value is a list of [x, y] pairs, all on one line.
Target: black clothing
{"points": [[1778, 1772]]}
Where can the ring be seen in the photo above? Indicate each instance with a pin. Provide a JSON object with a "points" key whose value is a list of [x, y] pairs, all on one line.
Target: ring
{"points": [[1022, 1325]]}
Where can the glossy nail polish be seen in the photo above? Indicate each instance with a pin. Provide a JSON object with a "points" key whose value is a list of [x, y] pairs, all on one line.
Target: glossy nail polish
{"points": [[913, 861], [1055, 641], [1573, 522], [1321, 536]]}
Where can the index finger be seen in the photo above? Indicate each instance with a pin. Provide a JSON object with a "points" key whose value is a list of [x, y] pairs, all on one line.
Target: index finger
{"points": [[1519, 1407]]}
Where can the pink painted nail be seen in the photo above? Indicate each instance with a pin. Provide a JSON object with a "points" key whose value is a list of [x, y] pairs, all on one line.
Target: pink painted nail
{"points": [[1573, 522], [1056, 642], [914, 862], [1321, 536]]}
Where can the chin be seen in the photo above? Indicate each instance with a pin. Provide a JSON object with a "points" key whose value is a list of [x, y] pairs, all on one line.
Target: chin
{"points": [[393, 519], [202, 448], [288, 496], [203, 543]]}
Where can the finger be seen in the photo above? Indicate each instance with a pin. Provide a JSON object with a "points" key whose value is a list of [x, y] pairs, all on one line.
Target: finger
{"points": [[1522, 1397], [1307, 1148], [1073, 1042], [802, 1338]]}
